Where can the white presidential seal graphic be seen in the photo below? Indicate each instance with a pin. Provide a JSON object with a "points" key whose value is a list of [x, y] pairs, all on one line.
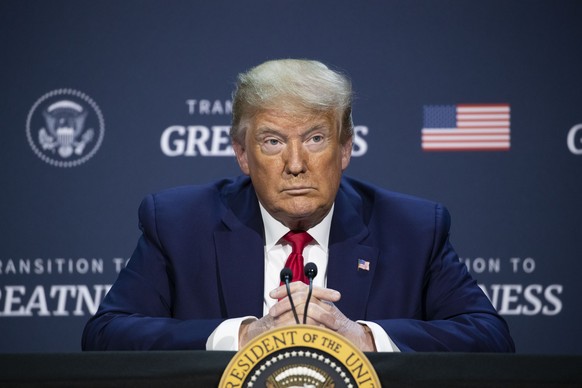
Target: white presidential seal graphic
{"points": [[65, 128]]}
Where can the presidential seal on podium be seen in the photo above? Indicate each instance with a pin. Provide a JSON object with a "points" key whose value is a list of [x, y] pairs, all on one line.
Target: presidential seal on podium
{"points": [[299, 356]]}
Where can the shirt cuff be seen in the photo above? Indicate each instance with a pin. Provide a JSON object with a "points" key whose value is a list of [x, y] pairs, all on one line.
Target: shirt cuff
{"points": [[382, 340], [225, 336]]}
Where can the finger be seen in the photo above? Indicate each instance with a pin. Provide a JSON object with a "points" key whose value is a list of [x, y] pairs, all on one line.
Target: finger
{"points": [[320, 313], [299, 293], [328, 294], [284, 305], [323, 313], [280, 308], [281, 291], [288, 319], [299, 299]]}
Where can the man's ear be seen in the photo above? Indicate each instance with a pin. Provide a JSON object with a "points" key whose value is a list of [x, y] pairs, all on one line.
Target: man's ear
{"points": [[346, 151], [241, 157]]}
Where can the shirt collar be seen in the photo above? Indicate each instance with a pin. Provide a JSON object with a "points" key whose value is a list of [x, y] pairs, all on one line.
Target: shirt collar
{"points": [[275, 230]]}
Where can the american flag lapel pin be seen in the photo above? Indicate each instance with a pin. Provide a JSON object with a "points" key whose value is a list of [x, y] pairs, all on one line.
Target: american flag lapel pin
{"points": [[363, 265]]}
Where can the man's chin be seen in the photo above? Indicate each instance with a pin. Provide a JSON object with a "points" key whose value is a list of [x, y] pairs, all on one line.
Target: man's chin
{"points": [[301, 217]]}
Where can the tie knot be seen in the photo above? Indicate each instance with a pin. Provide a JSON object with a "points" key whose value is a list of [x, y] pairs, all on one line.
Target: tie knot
{"points": [[298, 240]]}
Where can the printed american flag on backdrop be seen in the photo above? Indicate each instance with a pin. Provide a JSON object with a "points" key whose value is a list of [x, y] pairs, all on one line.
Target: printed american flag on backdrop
{"points": [[466, 127]]}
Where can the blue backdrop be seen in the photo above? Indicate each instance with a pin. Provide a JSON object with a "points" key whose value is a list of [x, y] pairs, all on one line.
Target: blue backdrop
{"points": [[103, 102]]}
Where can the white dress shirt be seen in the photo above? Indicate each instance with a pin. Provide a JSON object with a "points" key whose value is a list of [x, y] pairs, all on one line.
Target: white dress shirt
{"points": [[225, 336]]}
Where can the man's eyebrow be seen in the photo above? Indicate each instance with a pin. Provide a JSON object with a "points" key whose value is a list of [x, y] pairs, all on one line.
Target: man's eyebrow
{"points": [[266, 130], [317, 127]]}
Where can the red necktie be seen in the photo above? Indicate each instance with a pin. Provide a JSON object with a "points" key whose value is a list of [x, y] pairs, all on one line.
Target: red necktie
{"points": [[298, 240]]}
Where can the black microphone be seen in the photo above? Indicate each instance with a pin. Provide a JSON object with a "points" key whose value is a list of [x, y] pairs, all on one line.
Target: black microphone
{"points": [[286, 277], [311, 272]]}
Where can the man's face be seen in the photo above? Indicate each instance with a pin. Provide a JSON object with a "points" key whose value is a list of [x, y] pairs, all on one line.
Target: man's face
{"points": [[295, 164]]}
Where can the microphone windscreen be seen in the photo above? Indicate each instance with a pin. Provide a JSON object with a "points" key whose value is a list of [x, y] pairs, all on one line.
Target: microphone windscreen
{"points": [[310, 270], [286, 275]]}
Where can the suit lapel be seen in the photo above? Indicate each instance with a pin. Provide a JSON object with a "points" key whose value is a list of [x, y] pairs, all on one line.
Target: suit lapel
{"points": [[240, 255], [347, 245]]}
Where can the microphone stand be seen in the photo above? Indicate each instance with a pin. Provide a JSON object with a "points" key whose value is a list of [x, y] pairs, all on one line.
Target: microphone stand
{"points": [[286, 277], [311, 272]]}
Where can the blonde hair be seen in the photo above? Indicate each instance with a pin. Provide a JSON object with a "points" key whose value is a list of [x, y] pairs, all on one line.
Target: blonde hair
{"points": [[295, 86]]}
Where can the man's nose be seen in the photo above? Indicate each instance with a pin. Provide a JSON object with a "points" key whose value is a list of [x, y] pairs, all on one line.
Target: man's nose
{"points": [[296, 159]]}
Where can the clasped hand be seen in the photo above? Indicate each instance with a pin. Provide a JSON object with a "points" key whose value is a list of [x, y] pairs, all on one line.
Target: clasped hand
{"points": [[321, 312]]}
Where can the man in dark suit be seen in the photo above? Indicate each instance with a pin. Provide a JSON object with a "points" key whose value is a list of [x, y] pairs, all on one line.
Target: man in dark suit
{"points": [[205, 273]]}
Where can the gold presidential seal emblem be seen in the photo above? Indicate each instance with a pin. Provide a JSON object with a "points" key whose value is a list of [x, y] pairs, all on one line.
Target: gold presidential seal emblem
{"points": [[299, 356]]}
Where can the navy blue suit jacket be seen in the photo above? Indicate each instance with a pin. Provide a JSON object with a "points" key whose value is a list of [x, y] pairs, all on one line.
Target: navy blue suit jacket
{"points": [[200, 261]]}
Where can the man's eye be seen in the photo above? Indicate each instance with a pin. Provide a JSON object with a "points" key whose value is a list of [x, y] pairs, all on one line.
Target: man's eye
{"points": [[271, 145], [317, 138]]}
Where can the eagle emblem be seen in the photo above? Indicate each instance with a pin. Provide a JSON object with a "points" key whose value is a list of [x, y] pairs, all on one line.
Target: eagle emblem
{"points": [[65, 121], [65, 128]]}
